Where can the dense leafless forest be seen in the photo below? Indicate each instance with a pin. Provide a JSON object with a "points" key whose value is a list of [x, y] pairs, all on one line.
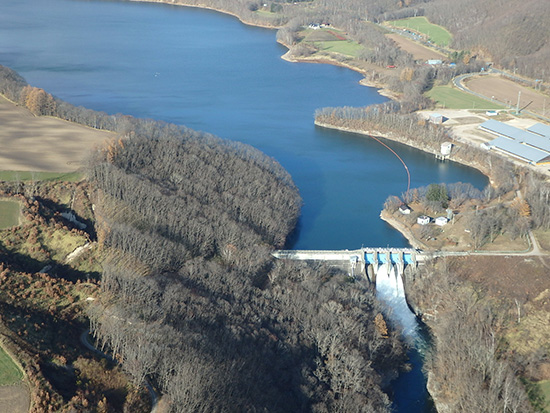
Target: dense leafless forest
{"points": [[469, 368], [193, 299]]}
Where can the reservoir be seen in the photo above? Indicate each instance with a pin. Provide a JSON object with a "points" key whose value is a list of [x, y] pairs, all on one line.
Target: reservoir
{"points": [[208, 71]]}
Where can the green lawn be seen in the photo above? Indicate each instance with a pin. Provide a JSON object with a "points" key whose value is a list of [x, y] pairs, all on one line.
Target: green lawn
{"points": [[544, 387], [345, 47], [40, 176], [9, 372], [437, 34], [451, 98], [268, 14], [9, 213]]}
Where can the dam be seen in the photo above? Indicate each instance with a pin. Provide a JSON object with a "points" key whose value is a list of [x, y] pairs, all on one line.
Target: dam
{"points": [[364, 262]]}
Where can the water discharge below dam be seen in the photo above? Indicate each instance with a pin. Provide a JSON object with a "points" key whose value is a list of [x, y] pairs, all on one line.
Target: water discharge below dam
{"points": [[390, 290]]}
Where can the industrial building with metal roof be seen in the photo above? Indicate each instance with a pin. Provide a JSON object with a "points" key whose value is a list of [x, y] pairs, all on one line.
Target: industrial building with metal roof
{"points": [[532, 145]]}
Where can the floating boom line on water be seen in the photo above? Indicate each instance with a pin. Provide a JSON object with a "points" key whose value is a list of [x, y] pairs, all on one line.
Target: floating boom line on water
{"points": [[398, 157]]}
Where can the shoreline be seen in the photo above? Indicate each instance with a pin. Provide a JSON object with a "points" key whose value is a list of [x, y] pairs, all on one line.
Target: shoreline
{"points": [[403, 230], [205, 7], [399, 139], [382, 87]]}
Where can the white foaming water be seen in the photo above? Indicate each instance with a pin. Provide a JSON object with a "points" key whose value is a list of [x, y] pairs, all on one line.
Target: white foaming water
{"points": [[390, 290]]}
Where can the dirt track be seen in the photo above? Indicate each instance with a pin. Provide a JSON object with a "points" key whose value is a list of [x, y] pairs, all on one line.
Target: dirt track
{"points": [[29, 143], [505, 90], [14, 399]]}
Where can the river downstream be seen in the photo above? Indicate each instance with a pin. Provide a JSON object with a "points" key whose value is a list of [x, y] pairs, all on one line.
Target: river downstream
{"points": [[208, 71]]}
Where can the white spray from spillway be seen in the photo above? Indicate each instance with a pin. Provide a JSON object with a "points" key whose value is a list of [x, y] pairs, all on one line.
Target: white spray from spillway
{"points": [[390, 290]]}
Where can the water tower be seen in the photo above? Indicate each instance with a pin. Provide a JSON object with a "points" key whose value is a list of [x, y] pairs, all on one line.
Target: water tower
{"points": [[446, 149]]}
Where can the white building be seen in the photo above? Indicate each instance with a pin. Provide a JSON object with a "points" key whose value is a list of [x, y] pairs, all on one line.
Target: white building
{"points": [[423, 220]]}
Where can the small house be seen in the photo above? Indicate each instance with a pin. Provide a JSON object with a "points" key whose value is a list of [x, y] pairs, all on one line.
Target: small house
{"points": [[423, 220], [405, 209], [441, 221]]}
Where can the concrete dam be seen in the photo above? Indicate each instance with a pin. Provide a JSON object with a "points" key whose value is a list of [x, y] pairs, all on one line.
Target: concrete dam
{"points": [[364, 262]]}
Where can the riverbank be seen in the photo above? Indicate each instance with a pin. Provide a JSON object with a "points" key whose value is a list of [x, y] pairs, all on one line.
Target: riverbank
{"points": [[243, 20], [396, 137], [404, 230]]}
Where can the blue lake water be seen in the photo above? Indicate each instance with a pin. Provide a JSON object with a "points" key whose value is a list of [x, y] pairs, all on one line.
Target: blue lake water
{"points": [[209, 72]]}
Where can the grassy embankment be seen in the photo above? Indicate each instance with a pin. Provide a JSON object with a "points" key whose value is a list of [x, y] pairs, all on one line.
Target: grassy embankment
{"points": [[436, 34], [451, 98], [9, 213]]}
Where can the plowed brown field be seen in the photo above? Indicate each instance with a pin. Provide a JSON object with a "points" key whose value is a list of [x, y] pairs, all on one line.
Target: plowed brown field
{"points": [[505, 90], [14, 399], [30, 143]]}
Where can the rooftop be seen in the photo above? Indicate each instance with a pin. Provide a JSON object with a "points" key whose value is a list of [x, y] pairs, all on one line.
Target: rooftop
{"points": [[532, 145]]}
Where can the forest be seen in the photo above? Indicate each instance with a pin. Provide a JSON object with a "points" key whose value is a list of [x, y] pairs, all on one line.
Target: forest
{"points": [[192, 299], [470, 367]]}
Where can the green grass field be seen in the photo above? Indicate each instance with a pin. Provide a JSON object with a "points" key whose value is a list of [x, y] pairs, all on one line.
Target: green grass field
{"points": [[332, 41], [451, 98], [9, 213], [344, 47], [437, 34], [40, 176], [544, 387], [268, 14], [9, 372]]}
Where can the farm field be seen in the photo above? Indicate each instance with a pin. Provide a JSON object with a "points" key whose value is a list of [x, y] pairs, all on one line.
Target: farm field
{"points": [[436, 34], [45, 144], [418, 51], [9, 214], [505, 90], [40, 176], [331, 40], [14, 399], [451, 98]]}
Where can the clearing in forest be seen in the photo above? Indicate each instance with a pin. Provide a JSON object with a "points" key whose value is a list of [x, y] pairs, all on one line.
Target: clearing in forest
{"points": [[452, 98], [436, 34], [9, 213]]}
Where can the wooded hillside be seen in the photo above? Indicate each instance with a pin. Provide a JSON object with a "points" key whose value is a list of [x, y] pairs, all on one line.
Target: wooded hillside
{"points": [[192, 298]]}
